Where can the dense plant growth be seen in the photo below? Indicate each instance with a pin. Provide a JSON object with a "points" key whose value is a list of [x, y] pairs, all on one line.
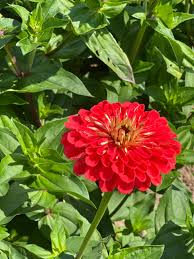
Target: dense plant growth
{"points": [[57, 57]]}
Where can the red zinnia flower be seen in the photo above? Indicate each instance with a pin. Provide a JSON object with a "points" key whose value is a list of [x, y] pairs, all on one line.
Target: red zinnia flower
{"points": [[121, 146]]}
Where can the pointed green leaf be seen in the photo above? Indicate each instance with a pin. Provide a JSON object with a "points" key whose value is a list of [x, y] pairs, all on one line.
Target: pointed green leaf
{"points": [[106, 48], [62, 184], [140, 252], [8, 142]]}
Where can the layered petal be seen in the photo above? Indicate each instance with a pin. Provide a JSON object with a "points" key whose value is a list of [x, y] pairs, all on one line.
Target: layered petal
{"points": [[120, 146]]}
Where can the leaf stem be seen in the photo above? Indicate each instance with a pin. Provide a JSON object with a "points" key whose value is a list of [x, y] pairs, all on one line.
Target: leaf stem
{"points": [[187, 6], [12, 59], [31, 59], [138, 41], [99, 214]]}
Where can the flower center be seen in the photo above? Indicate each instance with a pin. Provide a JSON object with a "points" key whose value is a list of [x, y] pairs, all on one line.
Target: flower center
{"points": [[124, 134]]}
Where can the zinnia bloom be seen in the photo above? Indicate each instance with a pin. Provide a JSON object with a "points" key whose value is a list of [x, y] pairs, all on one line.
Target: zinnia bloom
{"points": [[121, 146]]}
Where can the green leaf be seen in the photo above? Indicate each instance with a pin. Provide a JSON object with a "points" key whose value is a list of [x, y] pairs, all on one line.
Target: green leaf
{"points": [[36, 19], [50, 8], [48, 76], [22, 12], [4, 40], [41, 198], [3, 255], [123, 212], [10, 98], [3, 233], [8, 24], [26, 45], [23, 134], [140, 218], [93, 249], [178, 18], [158, 26], [7, 81], [183, 53], [186, 157], [54, 165], [167, 180], [49, 135], [8, 143], [85, 20], [174, 239], [10, 203], [45, 108], [164, 11], [172, 67], [54, 22], [12, 252], [142, 66], [7, 172], [186, 95], [105, 47], [140, 252], [189, 79], [4, 189], [58, 239], [70, 50], [63, 214], [38, 251], [112, 8], [184, 136], [173, 206], [62, 184]]}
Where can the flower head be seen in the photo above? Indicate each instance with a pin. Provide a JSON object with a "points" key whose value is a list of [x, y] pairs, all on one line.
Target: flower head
{"points": [[120, 146]]}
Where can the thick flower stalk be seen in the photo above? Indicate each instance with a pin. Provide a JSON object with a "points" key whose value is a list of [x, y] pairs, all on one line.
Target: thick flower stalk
{"points": [[120, 146]]}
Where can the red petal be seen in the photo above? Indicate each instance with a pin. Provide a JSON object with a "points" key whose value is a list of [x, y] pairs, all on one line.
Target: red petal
{"points": [[107, 186], [157, 180], [92, 160], [69, 150], [105, 159], [140, 175], [142, 186], [79, 167], [125, 188], [118, 167], [106, 173], [74, 122]]}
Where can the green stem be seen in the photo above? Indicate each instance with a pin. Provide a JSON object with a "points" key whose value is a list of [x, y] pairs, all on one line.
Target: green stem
{"points": [[31, 59], [187, 6], [99, 214], [12, 59], [138, 41]]}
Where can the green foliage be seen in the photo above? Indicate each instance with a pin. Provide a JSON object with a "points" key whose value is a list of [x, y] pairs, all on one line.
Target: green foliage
{"points": [[63, 55]]}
